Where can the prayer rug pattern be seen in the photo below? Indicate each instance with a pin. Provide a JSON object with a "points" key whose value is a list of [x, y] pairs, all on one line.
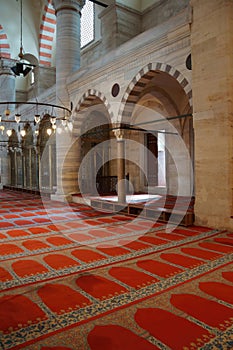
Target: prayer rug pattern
{"points": [[75, 278]]}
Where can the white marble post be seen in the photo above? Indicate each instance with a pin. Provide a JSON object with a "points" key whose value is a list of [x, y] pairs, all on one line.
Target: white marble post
{"points": [[1, 186], [121, 184], [16, 168], [50, 169], [30, 167]]}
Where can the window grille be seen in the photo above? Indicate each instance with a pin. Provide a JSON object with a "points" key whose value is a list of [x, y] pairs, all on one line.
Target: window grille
{"points": [[87, 24]]}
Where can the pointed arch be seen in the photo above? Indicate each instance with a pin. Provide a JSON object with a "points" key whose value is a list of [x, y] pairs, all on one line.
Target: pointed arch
{"points": [[140, 81], [4, 44], [47, 31], [90, 98]]}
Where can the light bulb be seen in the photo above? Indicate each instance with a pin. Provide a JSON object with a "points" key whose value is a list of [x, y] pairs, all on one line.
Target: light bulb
{"points": [[17, 117], [2, 128], [9, 132], [7, 112], [53, 120], [37, 118], [23, 133]]}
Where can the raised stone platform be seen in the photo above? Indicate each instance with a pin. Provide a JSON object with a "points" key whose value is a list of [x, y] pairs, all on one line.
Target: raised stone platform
{"points": [[177, 210]]}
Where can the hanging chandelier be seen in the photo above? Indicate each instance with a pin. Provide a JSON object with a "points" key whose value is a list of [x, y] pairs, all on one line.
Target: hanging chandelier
{"points": [[21, 67], [5, 119]]}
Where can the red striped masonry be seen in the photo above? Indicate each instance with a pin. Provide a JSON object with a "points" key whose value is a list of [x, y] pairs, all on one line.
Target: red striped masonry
{"points": [[45, 46]]}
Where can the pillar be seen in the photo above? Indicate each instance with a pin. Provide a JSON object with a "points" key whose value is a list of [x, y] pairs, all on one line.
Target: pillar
{"points": [[212, 67], [7, 88], [22, 166], [7, 84], [68, 15], [121, 183], [16, 168], [1, 186], [50, 168], [39, 171], [30, 166]]}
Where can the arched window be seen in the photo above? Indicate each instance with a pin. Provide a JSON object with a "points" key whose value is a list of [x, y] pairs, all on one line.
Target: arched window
{"points": [[87, 24]]}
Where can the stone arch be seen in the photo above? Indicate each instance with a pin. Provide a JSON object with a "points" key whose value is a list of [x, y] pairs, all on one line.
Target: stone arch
{"points": [[91, 121], [47, 31], [4, 44], [90, 98], [43, 136], [159, 91], [140, 81], [46, 150], [13, 144], [27, 140], [13, 140]]}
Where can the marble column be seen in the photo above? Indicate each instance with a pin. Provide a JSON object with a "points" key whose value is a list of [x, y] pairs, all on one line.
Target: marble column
{"points": [[212, 67], [7, 89], [50, 168], [7, 84], [16, 168], [121, 181], [30, 167], [68, 15], [1, 186]]}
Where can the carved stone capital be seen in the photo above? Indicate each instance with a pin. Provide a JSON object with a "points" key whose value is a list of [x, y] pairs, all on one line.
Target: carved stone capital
{"points": [[119, 134], [72, 5], [5, 66]]}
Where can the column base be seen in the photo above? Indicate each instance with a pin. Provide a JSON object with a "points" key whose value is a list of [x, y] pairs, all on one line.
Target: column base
{"points": [[61, 197]]}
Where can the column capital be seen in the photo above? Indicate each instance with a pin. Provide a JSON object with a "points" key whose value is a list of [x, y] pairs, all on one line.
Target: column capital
{"points": [[119, 134], [71, 5], [5, 66]]}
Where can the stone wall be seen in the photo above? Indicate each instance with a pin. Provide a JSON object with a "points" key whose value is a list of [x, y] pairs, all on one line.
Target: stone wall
{"points": [[161, 12], [119, 24], [168, 43], [212, 57]]}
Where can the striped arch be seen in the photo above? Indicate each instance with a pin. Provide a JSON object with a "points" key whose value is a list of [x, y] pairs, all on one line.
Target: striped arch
{"points": [[90, 98], [47, 30], [4, 45], [139, 82]]}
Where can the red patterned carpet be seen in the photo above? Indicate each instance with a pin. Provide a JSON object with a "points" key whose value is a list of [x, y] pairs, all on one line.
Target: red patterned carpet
{"points": [[74, 278]]}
